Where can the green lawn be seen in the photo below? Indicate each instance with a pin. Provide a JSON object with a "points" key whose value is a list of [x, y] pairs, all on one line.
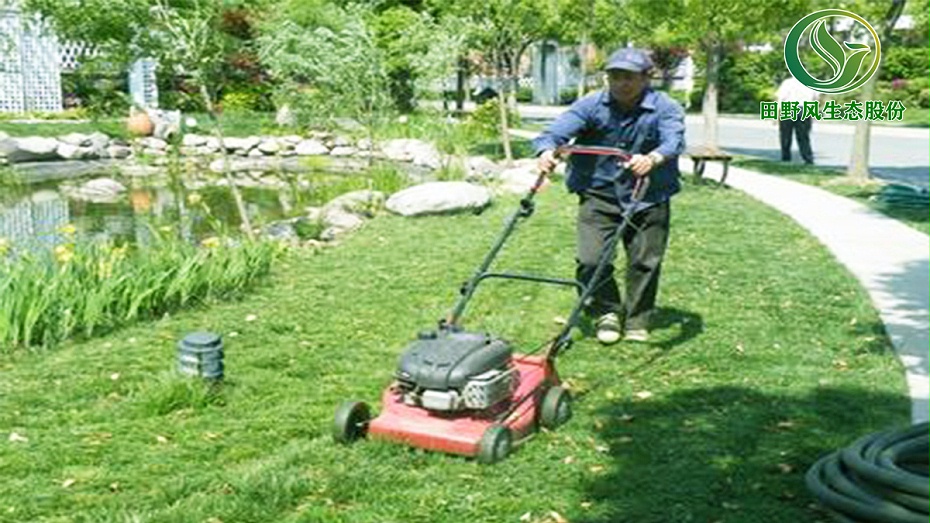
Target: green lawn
{"points": [[833, 180], [766, 356]]}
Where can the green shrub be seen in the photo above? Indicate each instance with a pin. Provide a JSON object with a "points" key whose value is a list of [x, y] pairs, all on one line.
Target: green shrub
{"points": [[487, 118], [240, 101], [100, 88], [568, 95], [923, 99], [905, 62], [748, 78]]}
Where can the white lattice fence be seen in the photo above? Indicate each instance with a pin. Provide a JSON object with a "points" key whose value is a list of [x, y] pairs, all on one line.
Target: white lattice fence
{"points": [[30, 77], [11, 76], [71, 54]]}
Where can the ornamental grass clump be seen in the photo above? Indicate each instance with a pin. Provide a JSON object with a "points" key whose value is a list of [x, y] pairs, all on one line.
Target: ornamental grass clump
{"points": [[82, 288]]}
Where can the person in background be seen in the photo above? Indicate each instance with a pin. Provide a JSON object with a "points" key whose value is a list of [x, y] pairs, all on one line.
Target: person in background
{"points": [[791, 90], [649, 124]]}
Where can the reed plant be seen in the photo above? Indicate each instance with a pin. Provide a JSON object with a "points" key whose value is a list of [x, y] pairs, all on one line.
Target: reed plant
{"points": [[82, 287]]}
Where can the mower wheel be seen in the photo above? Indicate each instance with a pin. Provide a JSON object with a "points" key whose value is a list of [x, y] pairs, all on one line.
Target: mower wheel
{"points": [[556, 408], [495, 444], [351, 421]]}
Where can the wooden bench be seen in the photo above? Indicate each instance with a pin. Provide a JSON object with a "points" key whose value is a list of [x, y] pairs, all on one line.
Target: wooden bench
{"points": [[700, 155]]}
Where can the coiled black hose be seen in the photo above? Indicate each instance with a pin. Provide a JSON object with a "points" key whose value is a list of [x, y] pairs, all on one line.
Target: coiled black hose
{"points": [[880, 478]]}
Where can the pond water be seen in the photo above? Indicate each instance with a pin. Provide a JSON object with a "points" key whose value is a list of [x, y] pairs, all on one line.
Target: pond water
{"points": [[34, 214]]}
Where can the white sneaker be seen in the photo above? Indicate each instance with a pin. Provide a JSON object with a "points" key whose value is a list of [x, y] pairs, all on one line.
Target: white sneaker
{"points": [[636, 335], [608, 328]]}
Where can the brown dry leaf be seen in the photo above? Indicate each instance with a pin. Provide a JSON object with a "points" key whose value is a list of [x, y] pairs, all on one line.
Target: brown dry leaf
{"points": [[557, 518]]}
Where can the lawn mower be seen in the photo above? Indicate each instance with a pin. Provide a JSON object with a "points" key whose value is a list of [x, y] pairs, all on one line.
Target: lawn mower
{"points": [[466, 392]]}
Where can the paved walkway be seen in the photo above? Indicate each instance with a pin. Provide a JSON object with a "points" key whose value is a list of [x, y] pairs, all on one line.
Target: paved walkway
{"points": [[890, 259]]}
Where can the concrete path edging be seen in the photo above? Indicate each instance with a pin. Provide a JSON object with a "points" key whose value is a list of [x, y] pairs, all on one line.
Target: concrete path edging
{"points": [[890, 260]]}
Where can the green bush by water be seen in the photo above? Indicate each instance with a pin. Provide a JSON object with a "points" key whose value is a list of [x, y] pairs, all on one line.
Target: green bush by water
{"points": [[82, 288]]}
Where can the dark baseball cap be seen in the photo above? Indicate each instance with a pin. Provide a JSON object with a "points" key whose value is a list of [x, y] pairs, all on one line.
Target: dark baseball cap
{"points": [[629, 59]]}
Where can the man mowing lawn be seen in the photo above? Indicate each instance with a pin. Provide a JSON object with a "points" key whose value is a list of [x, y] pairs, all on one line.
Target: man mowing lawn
{"points": [[630, 115]]}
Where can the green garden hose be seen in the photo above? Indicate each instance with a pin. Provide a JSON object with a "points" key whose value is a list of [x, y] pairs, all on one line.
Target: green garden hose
{"points": [[880, 478]]}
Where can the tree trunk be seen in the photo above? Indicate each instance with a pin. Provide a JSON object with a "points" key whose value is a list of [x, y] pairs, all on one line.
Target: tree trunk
{"points": [[502, 103], [460, 85], [582, 70], [246, 224], [712, 76], [858, 168]]}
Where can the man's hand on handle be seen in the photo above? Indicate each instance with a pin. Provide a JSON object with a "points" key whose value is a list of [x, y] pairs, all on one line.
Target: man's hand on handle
{"points": [[546, 162], [640, 164]]}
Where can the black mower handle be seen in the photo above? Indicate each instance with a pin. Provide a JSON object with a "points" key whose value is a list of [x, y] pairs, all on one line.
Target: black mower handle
{"points": [[525, 210]]}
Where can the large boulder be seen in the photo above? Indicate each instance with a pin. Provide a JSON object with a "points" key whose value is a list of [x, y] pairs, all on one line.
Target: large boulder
{"points": [[29, 149], [75, 152], [311, 147], [365, 202], [439, 197], [77, 139], [518, 179], [346, 213]]}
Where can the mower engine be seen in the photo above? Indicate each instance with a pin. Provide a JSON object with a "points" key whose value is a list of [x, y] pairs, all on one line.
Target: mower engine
{"points": [[452, 371]]}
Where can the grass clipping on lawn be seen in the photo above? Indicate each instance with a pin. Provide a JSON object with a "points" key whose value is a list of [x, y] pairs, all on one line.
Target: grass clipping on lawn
{"points": [[766, 355]]}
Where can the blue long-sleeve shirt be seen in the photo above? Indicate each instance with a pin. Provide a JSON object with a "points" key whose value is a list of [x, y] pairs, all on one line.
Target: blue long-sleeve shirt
{"points": [[656, 124]]}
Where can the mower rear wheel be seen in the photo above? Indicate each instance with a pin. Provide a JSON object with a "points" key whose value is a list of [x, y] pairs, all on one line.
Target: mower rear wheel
{"points": [[556, 408], [351, 421], [495, 444]]}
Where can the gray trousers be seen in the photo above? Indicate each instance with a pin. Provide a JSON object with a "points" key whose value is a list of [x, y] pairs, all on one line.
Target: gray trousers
{"points": [[644, 242], [802, 131]]}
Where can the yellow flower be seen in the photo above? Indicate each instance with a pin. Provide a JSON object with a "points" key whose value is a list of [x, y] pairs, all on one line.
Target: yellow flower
{"points": [[211, 243], [64, 253], [194, 198], [68, 229], [104, 268]]}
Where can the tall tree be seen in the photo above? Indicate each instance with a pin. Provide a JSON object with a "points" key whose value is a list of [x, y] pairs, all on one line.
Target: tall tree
{"points": [[709, 27], [503, 30], [341, 70], [885, 15]]}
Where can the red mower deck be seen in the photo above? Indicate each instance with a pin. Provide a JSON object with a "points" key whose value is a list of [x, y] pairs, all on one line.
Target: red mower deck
{"points": [[462, 434]]}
